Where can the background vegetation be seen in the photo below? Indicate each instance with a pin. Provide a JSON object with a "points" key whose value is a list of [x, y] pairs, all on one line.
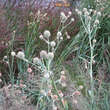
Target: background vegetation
{"points": [[20, 28]]}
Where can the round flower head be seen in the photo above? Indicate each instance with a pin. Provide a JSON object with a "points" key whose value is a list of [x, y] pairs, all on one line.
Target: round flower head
{"points": [[47, 34], [50, 55], [59, 34], [46, 75], [79, 13], [96, 21], [68, 37], [13, 53], [20, 54], [70, 13], [75, 101], [43, 54], [36, 60], [63, 17], [53, 44], [89, 18], [61, 38], [41, 36], [90, 10], [94, 40], [62, 72], [55, 107], [86, 13], [84, 9], [76, 10], [29, 70], [80, 87], [72, 19], [5, 57], [99, 13], [43, 92]]}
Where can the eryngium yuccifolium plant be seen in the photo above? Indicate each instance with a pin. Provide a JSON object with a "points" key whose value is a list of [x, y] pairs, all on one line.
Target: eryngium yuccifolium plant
{"points": [[43, 65], [90, 23]]}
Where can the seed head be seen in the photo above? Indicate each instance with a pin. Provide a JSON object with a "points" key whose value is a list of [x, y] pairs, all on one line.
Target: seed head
{"points": [[72, 19], [43, 54], [53, 44], [59, 34], [86, 13], [89, 18], [62, 72], [85, 9], [99, 13], [63, 17], [41, 36], [46, 75], [21, 55], [94, 41], [76, 10], [69, 13], [80, 87], [36, 60], [50, 55], [5, 57], [79, 13], [61, 38], [47, 34], [96, 21], [13, 53], [90, 10]]}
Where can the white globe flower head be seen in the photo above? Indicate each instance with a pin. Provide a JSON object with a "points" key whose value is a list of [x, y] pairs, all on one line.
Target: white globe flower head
{"points": [[21, 54], [99, 13], [47, 34], [46, 75], [89, 18], [86, 13], [79, 13], [43, 54], [90, 10], [94, 41], [59, 34], [41, 36], [43, 92], [61, 38], [36, 60], [76, 10], [13, 53], [85, 9], [69, 13], [96, 21], [55, 107], [5, 57], [53, 44], [50, 55], [62, 14], [68, 37], [72, 20], [63, 17]]}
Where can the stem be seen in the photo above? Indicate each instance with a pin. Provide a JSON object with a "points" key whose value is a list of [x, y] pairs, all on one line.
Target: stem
{"points": [[91, 71]]}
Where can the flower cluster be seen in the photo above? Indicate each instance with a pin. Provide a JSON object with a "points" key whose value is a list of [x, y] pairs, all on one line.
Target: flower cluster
{"points": [[89, 18], [43, 64]]}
